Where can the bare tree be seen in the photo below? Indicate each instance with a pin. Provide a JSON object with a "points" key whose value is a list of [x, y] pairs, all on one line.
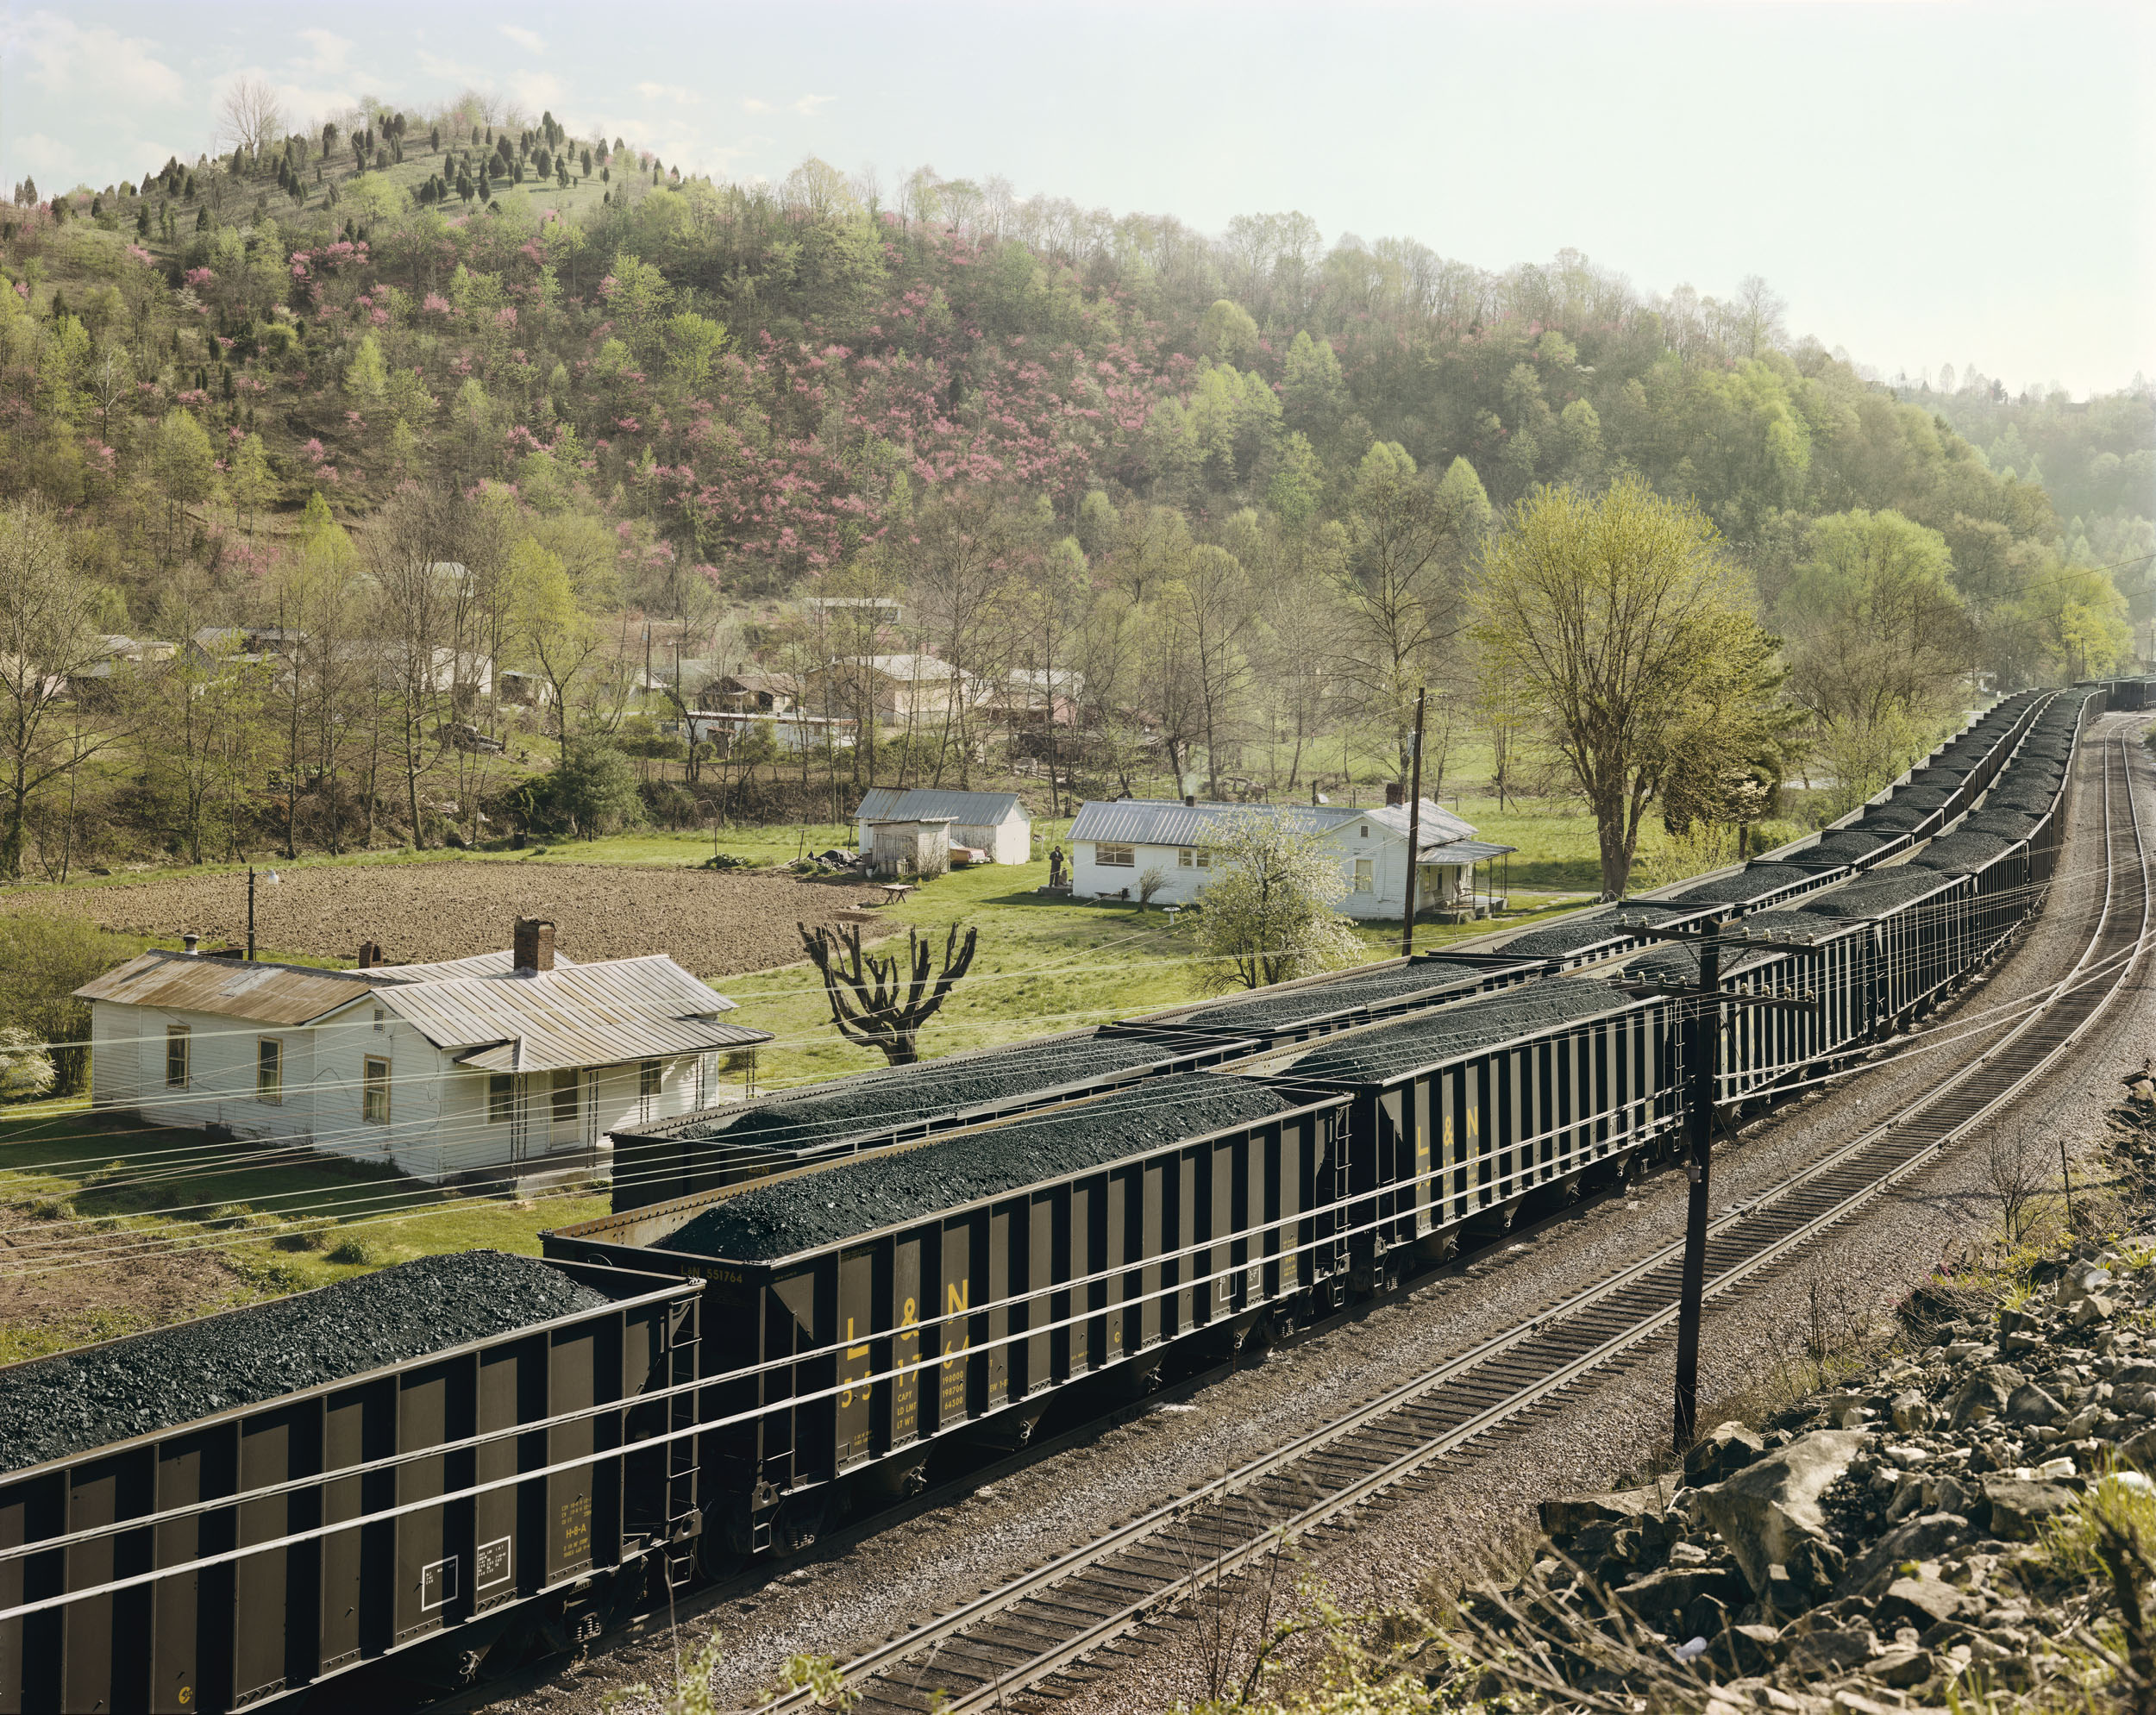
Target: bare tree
{"points": [[2015, 1170], [249, 117], [871, 1004]]}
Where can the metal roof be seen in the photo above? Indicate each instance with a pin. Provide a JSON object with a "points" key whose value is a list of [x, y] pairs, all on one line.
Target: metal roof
{"points": [[1170, 822], [588, 1015], [232, 988], [922, 803], [1465, 851], [497, 964]]}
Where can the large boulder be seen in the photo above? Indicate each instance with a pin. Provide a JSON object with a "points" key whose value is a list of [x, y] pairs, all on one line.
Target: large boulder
{"points": [[1564, 1518], [1722, 1452], [2020, 1508], [1984, 1395], [2032, 1404], [1923, 1538], [1767, 1510]]}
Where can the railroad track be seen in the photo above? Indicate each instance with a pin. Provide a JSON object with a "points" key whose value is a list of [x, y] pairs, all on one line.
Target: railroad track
{"points": [[988, 1651]]}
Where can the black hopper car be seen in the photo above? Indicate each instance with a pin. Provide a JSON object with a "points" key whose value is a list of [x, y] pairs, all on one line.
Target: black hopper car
{"points": [[769, 1335]]}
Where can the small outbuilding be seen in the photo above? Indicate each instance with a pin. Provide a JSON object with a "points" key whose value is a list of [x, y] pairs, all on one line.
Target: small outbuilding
{"points": [[915, 846], [995, 823]]}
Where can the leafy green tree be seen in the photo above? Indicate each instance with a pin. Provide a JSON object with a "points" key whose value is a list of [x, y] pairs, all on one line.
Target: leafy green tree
{"points": [[249, 481], [43, 960], [1611, 614], [1877, 636], [184, 467], [1267, 916], [366, 377], [595, 790]]}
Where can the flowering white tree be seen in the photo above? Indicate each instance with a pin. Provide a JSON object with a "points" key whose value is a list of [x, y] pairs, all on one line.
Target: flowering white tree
{"points": [[1267, 916]]}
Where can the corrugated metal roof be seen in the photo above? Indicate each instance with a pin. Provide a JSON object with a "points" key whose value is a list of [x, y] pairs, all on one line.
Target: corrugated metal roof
{"points": [[232, 988], [588, 1015], [499, 964], [1465, 851], [976, 810], [1170, 822]]}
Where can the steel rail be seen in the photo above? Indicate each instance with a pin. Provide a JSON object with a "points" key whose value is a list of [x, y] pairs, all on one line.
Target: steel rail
{"points": [[1085, 1599]]}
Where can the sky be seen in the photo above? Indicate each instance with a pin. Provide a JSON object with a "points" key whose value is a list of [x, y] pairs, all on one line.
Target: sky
{"points": [[1924, 184]]}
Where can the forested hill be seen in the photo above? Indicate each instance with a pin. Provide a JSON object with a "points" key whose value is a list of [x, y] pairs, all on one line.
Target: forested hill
{"points": [[765, 381]]}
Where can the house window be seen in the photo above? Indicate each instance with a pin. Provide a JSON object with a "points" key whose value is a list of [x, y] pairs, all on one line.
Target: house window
{"points": [[1115, 857], [1364, 882], [1192, 857], [269, 1070], [1364, 829], [565, 1089], [648, 1079], [501, 1098], [176, 1039], [375, 1090]]}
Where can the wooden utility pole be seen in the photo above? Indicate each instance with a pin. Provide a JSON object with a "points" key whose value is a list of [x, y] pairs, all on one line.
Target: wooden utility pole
{"points": [[1703, 1066], [1414, 829]]}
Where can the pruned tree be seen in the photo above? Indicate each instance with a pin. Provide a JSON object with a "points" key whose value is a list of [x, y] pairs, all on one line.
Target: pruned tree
{"points": [[873, 1003]]}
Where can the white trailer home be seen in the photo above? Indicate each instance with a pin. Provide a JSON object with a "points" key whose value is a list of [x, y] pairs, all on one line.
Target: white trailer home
{"points": [[507, 1065], [1115, 843]]}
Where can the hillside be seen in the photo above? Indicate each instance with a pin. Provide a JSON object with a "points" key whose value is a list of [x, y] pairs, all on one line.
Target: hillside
{"points": [[1239, 481]]}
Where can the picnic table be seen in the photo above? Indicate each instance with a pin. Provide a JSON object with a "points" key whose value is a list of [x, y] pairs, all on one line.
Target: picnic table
{"points": [[894, 892]]}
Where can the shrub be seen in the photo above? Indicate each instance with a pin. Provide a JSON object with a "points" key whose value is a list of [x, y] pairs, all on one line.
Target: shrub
{"points": [[357, 1251], [43, 960], [595, 791], [26, 1066]]}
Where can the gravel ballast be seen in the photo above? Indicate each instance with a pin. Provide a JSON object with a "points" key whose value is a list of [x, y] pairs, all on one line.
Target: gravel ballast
{"points": [[53, 1408], [866, 1193], [1385, 1053], [1264, 1011], [886, 1100]]}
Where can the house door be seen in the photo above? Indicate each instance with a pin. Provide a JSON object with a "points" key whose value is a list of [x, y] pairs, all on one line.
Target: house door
{"points": [[567, 1129]]}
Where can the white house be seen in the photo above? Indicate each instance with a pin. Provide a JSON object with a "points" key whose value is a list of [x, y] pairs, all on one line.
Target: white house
{"points": [[513, 1063], [995, 823], [1116, 842]]}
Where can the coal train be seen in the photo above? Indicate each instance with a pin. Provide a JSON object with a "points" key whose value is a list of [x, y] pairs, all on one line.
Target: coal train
{"points": [[797, 1302]]}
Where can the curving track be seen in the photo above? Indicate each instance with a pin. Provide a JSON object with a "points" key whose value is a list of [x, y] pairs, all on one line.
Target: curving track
{"points": [[1040, 1624]]}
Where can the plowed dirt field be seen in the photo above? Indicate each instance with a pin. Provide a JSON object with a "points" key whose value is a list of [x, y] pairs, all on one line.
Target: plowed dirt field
{"points": [[713, 924]]}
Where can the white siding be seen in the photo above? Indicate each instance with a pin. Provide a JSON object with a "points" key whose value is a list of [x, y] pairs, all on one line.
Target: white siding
{"points": [[1384, 851]]}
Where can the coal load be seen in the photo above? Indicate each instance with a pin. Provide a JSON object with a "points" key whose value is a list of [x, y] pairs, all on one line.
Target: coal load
{"points": [[865, 1193], [1874, 896], [1897, 819], [1929, 796], [2030, 799], [1844, 846], [888, 1101], [56, 1407], [1385, 1052], [1961, 853], [1755, 882], [1266, 1011], [2006, 824], [1561, 940], [1946, 774]]}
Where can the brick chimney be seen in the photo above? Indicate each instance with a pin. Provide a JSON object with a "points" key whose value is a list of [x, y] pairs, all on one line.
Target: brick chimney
{"points": [[534, 944], [370, 956], [1393, 796]]}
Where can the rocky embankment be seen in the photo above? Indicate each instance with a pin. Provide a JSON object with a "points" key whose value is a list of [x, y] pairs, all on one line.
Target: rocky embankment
{"points": [[1972, 1525]]}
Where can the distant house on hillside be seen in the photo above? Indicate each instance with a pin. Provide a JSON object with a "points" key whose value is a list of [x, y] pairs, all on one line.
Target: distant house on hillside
{"points": [[510, 1064], [897, 689], [1114, 843], [995, 823]]}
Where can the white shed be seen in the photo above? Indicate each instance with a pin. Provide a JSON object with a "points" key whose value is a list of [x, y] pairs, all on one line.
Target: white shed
{"points": [[995, 823], [510, 1061]]}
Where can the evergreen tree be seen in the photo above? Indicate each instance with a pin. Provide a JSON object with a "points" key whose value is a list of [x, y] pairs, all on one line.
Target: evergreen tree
{"points": [[202, 218], [464, 186], [587, 163], [142, 221], [561, 171], [434, 139], [97, 207]]}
